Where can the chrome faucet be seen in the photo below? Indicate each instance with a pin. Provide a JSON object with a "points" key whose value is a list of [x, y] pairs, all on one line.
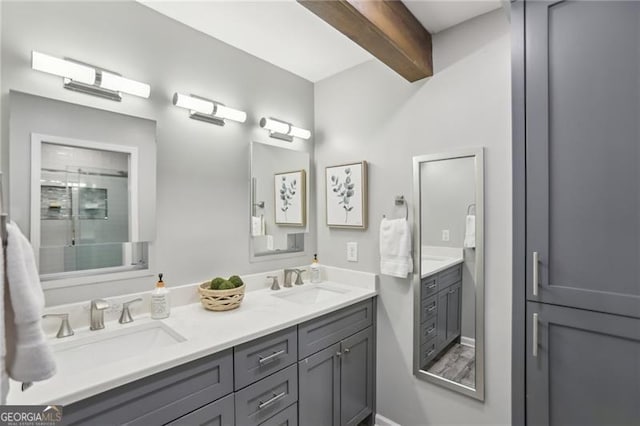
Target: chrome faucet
{"points": [[98, 307], [274, 284], [287, 276], [65, 329], [125, 316]]}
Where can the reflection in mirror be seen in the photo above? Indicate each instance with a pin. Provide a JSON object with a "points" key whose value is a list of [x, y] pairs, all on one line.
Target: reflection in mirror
{"points": [[279, 202], [449, 289], [84, 209]]}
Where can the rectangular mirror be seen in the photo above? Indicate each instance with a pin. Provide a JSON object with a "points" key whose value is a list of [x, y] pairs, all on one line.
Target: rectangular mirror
{"points": [[84, 207], [279, 200], [449, 288]]}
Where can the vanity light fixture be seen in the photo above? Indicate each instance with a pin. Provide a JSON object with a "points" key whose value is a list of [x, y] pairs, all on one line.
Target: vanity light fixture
{"points": [[207, 110], [282, 130], [89, 79]]}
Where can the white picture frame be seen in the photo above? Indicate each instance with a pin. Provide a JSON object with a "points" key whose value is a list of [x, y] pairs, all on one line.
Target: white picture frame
{"points": [[290, 198], [346, 195]]}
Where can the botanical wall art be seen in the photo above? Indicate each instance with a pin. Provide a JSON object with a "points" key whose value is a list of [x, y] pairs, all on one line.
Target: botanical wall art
{"points": [[290, 198], [346, 195]]}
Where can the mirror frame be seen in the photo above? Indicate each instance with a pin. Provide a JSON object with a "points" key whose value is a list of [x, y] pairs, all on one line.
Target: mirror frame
{"points": [[478, 154], [64, 279]]}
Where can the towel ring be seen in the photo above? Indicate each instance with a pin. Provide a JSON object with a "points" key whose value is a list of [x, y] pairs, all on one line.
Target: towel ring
{"points": [[470, 207], [400, 201]]}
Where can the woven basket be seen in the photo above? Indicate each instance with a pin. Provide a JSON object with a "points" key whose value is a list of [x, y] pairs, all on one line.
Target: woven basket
{"points": [[220, 300]]}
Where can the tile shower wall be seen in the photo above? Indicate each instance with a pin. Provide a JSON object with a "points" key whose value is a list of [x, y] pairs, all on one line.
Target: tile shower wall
{"points": [[202, 169]]}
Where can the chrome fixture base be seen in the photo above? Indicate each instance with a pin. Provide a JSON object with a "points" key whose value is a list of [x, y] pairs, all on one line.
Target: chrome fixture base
{"points": [[281, 136], [206, 118], [125, 316], [98, 306], [65, 329], [93, 90]]}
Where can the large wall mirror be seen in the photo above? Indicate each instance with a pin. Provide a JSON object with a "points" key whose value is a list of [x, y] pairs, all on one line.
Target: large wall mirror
{"points": [[279, 201], [449, 285]]}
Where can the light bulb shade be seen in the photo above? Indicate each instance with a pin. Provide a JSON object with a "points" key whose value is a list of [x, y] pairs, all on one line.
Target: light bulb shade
{"points": [[275, 126], [193, 104], [60, 67], [300, 133], [120, 84], [225, 112]]}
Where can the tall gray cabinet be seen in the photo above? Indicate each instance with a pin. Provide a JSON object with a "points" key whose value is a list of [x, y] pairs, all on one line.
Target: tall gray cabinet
{"points": [[576, 212]]}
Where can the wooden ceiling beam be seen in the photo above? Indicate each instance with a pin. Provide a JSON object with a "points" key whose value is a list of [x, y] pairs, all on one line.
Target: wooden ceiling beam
{"points": [[385, 28]]}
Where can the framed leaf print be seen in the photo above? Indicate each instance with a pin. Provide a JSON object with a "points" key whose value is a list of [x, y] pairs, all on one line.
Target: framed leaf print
{"points": [[290, 198], [346, 195]]}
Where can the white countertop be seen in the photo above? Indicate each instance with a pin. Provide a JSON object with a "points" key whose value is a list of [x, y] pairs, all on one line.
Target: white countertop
{"points": [[206, 332], [436, 259]]}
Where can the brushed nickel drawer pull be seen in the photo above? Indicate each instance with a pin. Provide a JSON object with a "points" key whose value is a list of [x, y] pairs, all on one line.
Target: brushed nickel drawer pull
{"points": [[429, 331], [430, 352], [271, 400], [347, 350], [535, 335], [270, 357], [432, 285], [431, 308]]}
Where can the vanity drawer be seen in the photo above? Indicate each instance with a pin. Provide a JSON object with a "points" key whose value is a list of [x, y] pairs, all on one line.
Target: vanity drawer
{"points": [[160, 398], [428, 286], [319, 333], [449, 276], [428, 351], [261, 357], [428, 329], [287, 417], [219, 413], [428, 308], [261, 400]]}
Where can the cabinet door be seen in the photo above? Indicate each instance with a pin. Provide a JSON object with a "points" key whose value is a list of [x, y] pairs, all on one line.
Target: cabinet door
{"points": [[454, 318], [356, 378], [319, 388], [582, 154], [586, 370], [441, 324]]}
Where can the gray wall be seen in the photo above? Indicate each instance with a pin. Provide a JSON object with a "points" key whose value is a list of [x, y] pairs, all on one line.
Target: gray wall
{"points": [[199, 164], [370, 113]]}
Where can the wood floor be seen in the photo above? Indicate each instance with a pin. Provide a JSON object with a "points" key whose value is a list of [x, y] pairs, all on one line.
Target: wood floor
{"points": [[458, 364]]}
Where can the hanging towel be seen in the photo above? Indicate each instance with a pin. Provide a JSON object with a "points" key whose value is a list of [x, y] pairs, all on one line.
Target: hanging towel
{"points": [[257, 226], [395, 248], [28, 357], [470, 232]]}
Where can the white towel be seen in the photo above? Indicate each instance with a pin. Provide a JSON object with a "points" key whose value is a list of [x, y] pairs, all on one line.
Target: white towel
{"points": [[470, 232], [257, 227], [28, 355], [395, 248]]}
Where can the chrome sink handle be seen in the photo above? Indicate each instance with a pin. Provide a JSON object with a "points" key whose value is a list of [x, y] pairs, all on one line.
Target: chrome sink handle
{"points": [[65, 329], [274, 284], [125, 316], [98, 307], [299, 276]]}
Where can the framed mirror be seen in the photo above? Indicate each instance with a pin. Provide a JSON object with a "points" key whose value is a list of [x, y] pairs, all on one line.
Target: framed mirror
{"points": [[84, 208], [278, 201], [449, 285]]}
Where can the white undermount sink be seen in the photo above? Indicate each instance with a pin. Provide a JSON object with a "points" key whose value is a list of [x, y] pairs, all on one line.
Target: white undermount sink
{"points": [[310, 295], [106, 346]]}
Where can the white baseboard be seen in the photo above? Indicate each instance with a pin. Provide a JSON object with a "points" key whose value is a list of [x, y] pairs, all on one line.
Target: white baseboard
{"points": [[383, 421], [468, 341]]}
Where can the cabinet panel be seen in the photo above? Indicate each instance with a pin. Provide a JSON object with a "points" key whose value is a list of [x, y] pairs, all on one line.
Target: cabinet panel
{"points": [[263, 399], [587, 368], [454, 318], [441, 323], [160, 398], [582, 154], [428, 330], [429, 286], [428, 308], [287, 417], [261, 357], [319, 397], [219, 413], [356, 378], [329, 329], [449, 276]]}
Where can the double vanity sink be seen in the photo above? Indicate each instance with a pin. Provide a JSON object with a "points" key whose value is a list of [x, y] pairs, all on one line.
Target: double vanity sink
{"points": [[90, 362]]}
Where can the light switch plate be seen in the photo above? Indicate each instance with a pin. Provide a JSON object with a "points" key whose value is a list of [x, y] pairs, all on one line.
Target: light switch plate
{"points": [[445, 235], [352, 252]]}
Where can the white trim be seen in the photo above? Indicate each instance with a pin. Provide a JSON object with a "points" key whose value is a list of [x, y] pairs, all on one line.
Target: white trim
{"points": [[468, 341], [383, 421], [65, 280]]}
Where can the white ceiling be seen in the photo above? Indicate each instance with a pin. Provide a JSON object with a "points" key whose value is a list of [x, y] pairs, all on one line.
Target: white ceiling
{"points": [[287, 35]]}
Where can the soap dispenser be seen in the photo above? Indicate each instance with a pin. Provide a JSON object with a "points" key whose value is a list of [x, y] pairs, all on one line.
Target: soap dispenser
{"points": [[315, 270], [160, 307]]}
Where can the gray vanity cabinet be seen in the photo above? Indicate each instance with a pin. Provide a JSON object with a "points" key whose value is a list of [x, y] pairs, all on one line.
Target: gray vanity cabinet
{"points": [[441, 314], [337, 382], [219, 413]]}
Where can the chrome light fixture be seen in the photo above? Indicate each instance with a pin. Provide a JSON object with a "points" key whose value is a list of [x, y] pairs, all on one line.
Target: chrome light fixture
{"points": [[89, 79], [282, 130], [207, 110]]}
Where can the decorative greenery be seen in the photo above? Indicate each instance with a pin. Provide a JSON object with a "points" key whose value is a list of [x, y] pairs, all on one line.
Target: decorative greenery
{"points": [[216, 283], [236, 280], [226, 285], [344, 191], [286, 194], [220, 283]]}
